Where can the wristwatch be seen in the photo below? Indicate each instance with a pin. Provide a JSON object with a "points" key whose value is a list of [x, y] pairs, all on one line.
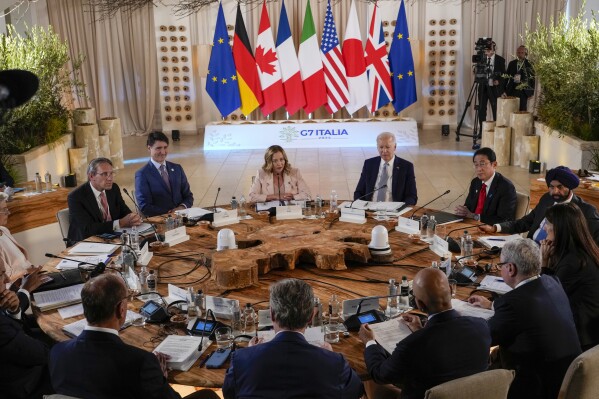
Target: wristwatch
{"points": [[476, 217]]}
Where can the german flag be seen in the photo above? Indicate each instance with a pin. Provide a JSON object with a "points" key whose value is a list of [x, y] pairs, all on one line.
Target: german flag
{"points": [[247, 73]]}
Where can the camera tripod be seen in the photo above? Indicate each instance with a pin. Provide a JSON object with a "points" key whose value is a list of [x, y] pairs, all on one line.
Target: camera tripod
{"points": [[474, 93]]}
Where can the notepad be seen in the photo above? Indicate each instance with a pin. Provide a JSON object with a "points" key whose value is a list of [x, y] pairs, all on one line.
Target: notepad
{"points": [[53, 299], [73, 261], [93, 248], [183, 350], [389, 333]]}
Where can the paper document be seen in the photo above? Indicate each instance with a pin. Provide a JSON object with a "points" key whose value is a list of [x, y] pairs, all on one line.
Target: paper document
{"points": [[465, 309], [314, 335], [194, 212], [495, 284], [142, 228], [183, 350], [389, 333], [93, 248], [57, 298], [74, 263], [71, 311], [264, 206], [497, 241], [76, 328], [373, 205]]}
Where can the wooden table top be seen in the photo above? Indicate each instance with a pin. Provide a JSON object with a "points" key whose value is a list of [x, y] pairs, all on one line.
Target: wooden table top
{"points": [[30, 211], [182, 263]]}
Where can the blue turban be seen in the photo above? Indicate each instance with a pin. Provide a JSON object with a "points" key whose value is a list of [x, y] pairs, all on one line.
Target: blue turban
{"points": [[563, 175]]}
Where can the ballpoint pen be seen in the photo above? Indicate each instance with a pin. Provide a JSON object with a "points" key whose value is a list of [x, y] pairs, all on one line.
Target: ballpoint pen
{"points": [[496, 239]]}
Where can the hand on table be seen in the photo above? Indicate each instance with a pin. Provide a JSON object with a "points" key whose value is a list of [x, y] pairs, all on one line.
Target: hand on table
{"points": [[327, 346], [365, 334], [480, 302], [162, 359], [255, 341], [485, 228], [412, 321], [132, 219]]}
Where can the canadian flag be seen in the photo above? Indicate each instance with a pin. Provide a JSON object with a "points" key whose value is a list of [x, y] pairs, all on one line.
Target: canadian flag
{"points": [[268, 67], [355, 64]]}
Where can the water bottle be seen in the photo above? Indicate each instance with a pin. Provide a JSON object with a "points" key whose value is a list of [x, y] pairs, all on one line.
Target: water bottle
{"points": [[332, 329], [38, 183], [249, 320], [48, 180], [431, 228], [446, 264], [404, 294], [434, 264], [201, 301], [318, 206], [423, 225], [317, 320], [169, 222], [333, 204], [443, 265], [242, 211], [192, 307], [392, 302], [151, 281], [128, 261], [234, 203], [235, 318], [467, 246], [143, 281], [135, 239]]}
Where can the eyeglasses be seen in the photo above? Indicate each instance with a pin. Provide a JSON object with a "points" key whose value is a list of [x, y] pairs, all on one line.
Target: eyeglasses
{"points": [[480, 164], [107, 174], [4, 211], [500, 265]]}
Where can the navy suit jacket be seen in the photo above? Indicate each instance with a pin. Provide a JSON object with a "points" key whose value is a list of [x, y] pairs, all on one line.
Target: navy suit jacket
{"points": [[500, 204], [534, 328], [85, 215], [449, 346], [290, 367], [403, 187], [23, 361], [100, 365], [152, 194], [533, 220]]}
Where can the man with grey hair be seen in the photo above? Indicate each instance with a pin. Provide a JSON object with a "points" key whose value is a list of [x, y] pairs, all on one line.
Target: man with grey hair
{"points": [[289, 366], [533, 324], [97, 207], [387, 177]]}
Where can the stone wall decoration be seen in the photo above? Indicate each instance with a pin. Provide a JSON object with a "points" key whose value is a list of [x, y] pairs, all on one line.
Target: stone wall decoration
{"points": [[502, 141], [87, 135], [84, 115], [522, 125], [78, 162]]}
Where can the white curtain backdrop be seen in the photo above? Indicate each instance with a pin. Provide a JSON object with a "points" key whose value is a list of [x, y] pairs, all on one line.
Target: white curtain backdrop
{"points": [[121, 67]]}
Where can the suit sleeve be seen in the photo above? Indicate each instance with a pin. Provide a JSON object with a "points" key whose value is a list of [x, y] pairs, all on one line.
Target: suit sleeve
{"points": [[256, 192], [83, 221], [521, 225], [19, 347], [386, 370], [361, 187], [504, 325], [351, 383], [229, 383], [411, 195], [499, 72], [143, 194], [592, 217], [186, 194], [303, 191], [152, 381], [506, 208]]}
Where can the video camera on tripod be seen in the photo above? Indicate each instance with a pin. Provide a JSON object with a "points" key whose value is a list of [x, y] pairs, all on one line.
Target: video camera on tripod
{"points": [[482, 70]]}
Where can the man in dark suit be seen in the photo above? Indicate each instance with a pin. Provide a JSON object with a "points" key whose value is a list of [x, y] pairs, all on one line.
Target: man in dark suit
{"points": [[23, 359], [561, 182], [98, 364], [533, 324], [289, 366], [390, 170], [97, 207], [449, 346], [493, 86], [521, 82], [160, 186], [495, 203]]}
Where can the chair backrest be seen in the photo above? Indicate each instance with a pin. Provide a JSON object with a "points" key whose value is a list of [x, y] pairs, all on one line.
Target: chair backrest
{"points": [[522, 202], [580, 381], [492, 384], [63, 221]]}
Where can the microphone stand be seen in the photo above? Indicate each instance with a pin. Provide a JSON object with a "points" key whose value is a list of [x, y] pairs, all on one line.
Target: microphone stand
{"points": [[134, 203], [428, 203], [98, 267], [281, 203], [215, 199], [366, 195]]}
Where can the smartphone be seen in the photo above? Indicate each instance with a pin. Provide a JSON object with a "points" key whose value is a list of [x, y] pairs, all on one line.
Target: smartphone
{"points": [[218, 358]]}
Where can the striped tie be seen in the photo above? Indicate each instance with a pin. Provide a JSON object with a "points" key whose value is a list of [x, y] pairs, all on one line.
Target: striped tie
{"points": [[381, 194]]}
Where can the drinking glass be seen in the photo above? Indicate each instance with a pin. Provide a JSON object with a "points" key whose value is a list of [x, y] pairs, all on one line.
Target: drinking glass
{"points": [[224, 337]]}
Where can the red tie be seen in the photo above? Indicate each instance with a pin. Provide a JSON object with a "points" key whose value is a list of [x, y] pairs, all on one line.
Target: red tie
{"points": [[107, 217], [482, 196]]}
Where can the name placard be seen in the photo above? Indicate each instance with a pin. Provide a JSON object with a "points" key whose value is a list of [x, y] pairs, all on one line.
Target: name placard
{"points": [[352, 215], [225, 218], [407, 226]]}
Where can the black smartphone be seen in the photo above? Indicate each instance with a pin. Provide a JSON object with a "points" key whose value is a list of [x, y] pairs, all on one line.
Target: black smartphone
{"points": [[218, 358]]}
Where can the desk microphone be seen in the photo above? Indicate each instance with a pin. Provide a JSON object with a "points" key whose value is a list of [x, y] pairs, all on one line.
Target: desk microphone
{"points": [[452, 244], [353, 322], [134, 203], [281, 203], [98, 269], [366, 195], [215, 199], [428, 203]]}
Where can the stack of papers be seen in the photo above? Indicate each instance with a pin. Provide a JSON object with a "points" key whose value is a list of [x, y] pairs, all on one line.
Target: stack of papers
{"points": [[389, 333], [93, 248], [76, 328], [183, 350], [48, 300], [75, 260], [194, 213], [143, 228], [373, 205], [495, 284], [465, 309], [497, 241]]}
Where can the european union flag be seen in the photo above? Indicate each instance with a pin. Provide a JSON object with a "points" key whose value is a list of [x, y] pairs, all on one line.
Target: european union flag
{"points": [[221, 82], [402, 64]]}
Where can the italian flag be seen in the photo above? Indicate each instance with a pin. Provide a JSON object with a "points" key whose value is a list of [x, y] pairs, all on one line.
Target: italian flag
{"points": [[311, 65]]}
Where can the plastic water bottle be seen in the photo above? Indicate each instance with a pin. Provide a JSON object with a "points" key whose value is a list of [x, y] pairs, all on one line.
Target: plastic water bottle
{"points": [[242, 211], [443, 265], [333, 204], [435, 264], [135, 238], [143, 281], [423, 225], [317, 320], [467, 246], [249, 320], [128, 261], [235, 318], [404, 294], [192, 307], [169, 222], [38, 183], [318, 209], [392, 302], [48, 180], [431, 228], [152, 281], [332, 329], [234, 203]]}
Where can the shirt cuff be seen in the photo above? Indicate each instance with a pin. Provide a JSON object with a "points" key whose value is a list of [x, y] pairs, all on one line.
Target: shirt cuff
{"points": [[24, 291], [16, 315], [116, 225], [184, 206], [498, 227], [371, 342]]}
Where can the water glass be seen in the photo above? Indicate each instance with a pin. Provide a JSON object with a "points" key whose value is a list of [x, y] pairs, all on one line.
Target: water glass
{"points": [[331, 332], [224, 337], [139, 321]]}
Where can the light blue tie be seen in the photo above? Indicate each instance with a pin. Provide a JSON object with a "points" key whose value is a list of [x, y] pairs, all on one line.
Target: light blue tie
{"points": [[382, 193]]}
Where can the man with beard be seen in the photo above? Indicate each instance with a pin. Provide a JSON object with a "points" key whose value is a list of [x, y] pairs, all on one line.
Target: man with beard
{"points": [[561, 182]]}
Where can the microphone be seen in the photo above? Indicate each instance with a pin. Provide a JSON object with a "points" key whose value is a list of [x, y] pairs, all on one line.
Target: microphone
{"points": [[353, 322], [216, 198], [98, 269], [134, 203], [428, 203], [366, 195], [16, 87], [453, 245], [281, 203]]}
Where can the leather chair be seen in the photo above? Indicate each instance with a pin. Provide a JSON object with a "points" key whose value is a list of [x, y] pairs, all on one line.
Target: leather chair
{"points": [[580, 381], [522, 202], [63, 222], [492, 384]]}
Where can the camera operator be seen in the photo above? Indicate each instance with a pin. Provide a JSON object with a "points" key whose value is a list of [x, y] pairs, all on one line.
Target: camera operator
{"points": [[492, 87], [521, 83]]}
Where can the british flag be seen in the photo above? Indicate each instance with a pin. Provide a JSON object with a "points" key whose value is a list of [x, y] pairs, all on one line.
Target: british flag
{"points": [[377, 64], [334, 70]]}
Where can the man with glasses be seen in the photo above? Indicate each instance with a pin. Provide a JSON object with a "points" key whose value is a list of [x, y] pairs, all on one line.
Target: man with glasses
{"points": [[97, 207], [533, 324], [561, 182], [492, 197], [98, 363]]}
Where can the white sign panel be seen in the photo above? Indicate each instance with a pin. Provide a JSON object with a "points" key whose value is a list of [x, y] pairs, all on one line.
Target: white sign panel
{"points": [[317, 134]]}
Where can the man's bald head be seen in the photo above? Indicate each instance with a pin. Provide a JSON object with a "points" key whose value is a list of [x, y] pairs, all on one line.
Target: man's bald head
{"points": [[432, 291], [100, 297]]}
